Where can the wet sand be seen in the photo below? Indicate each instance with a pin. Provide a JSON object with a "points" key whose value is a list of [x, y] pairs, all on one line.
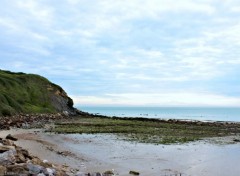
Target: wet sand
{"points": [[103, 152]]}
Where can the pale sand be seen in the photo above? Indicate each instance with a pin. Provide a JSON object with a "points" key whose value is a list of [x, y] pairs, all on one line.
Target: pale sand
{"points": [[91, 153]]}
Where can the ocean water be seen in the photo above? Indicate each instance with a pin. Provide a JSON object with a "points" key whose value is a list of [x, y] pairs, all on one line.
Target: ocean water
{"points": [[189, 113]]}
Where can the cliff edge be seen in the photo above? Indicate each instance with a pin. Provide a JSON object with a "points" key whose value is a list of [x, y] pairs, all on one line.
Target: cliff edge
{"points": [[30, 93]]}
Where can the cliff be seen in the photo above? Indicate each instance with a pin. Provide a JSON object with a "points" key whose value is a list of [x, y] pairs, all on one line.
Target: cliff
{"points": [[29, 93]]}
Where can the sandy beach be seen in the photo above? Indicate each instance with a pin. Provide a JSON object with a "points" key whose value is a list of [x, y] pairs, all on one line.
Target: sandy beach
{"points": [[101, 152]]}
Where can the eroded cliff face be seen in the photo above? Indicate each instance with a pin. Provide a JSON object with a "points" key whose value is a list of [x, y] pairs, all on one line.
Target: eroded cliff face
{"points": [[60, 100]]}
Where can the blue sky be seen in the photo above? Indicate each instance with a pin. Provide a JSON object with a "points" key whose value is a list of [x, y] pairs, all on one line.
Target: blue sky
{"points": [[128, 52]]}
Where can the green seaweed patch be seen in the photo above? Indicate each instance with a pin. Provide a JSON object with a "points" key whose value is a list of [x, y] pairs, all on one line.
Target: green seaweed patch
{"points": [[147, 131]]}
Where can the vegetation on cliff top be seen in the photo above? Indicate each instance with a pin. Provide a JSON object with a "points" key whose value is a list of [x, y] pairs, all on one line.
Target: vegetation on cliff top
{"points": [[28, 93]]}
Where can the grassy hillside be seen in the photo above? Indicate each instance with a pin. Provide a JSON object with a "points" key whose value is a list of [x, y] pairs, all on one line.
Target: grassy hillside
{"points": [[27, 93]]}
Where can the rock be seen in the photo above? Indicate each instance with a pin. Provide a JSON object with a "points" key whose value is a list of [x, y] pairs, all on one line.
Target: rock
{"points": [[51, 172], [5, 127], [7, 142], [61, 173], [17, 169], [7, 158], [3, 170], [20, 158], [236, 140], [88, 174], [37, 161], [5, 148], [108, 173], [41, 174], [35, 169], [82, 174], [134, 173], [45, 161], [66, 113], [64, 153], [9, 136], [15, 160], [25, 153]]}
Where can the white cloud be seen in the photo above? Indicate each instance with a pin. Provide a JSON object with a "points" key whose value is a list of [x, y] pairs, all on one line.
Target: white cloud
{"points": [[8, 23], [36, 11], [160, 99], [150, 47], [141, 8], [235, 9]]}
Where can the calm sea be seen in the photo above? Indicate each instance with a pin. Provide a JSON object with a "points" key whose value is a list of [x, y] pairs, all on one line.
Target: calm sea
{"points": [[191, 113]]}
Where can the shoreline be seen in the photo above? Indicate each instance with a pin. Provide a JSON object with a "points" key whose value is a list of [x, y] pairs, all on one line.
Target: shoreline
{"points": [[86, 114], [98, 153], [183, 113], [60, 123], [38, 120], [89, 153]]}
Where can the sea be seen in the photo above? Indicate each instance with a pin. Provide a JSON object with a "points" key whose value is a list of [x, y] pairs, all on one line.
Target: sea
{"points": [[184, 113]]}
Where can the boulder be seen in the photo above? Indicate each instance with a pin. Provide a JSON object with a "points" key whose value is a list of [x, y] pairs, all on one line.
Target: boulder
{"points": [[35, 169], [108, 173], [10, 137], [18, 169], [25, 153], [134, 173], [20, 158], [7, 142], [50, 172], [7, 158], [5, 148], [37, 161]]}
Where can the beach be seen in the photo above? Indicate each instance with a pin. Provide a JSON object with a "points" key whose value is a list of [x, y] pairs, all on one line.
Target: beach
{"points": [[101, 152]]}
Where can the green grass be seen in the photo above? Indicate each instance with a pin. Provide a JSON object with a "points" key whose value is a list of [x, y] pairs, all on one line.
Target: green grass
{"points": [[147, 131], [25, 93]]}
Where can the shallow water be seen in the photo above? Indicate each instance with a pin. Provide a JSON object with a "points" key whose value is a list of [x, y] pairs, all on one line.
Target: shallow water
{"points": [[103, 152], [198, 158]]}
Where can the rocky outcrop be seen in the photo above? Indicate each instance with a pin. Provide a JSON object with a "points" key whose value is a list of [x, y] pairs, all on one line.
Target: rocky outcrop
{"points": [[15, 160], [61, 101], [28, 121]]}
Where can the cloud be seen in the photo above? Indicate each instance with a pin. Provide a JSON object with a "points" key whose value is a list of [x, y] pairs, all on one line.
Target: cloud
{"points": [[36, 11], [159, 99], [153, 48]]}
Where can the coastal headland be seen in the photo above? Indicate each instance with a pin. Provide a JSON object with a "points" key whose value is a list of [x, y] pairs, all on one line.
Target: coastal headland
{"points": [[41, 133]]}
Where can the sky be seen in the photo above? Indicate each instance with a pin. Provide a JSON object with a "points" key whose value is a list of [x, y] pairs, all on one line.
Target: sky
{"points": [[127, 52]]}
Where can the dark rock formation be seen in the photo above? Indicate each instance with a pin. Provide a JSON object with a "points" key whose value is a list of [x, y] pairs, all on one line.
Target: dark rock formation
{"points": [[61, 102], [28, 121], [10, 137]]}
